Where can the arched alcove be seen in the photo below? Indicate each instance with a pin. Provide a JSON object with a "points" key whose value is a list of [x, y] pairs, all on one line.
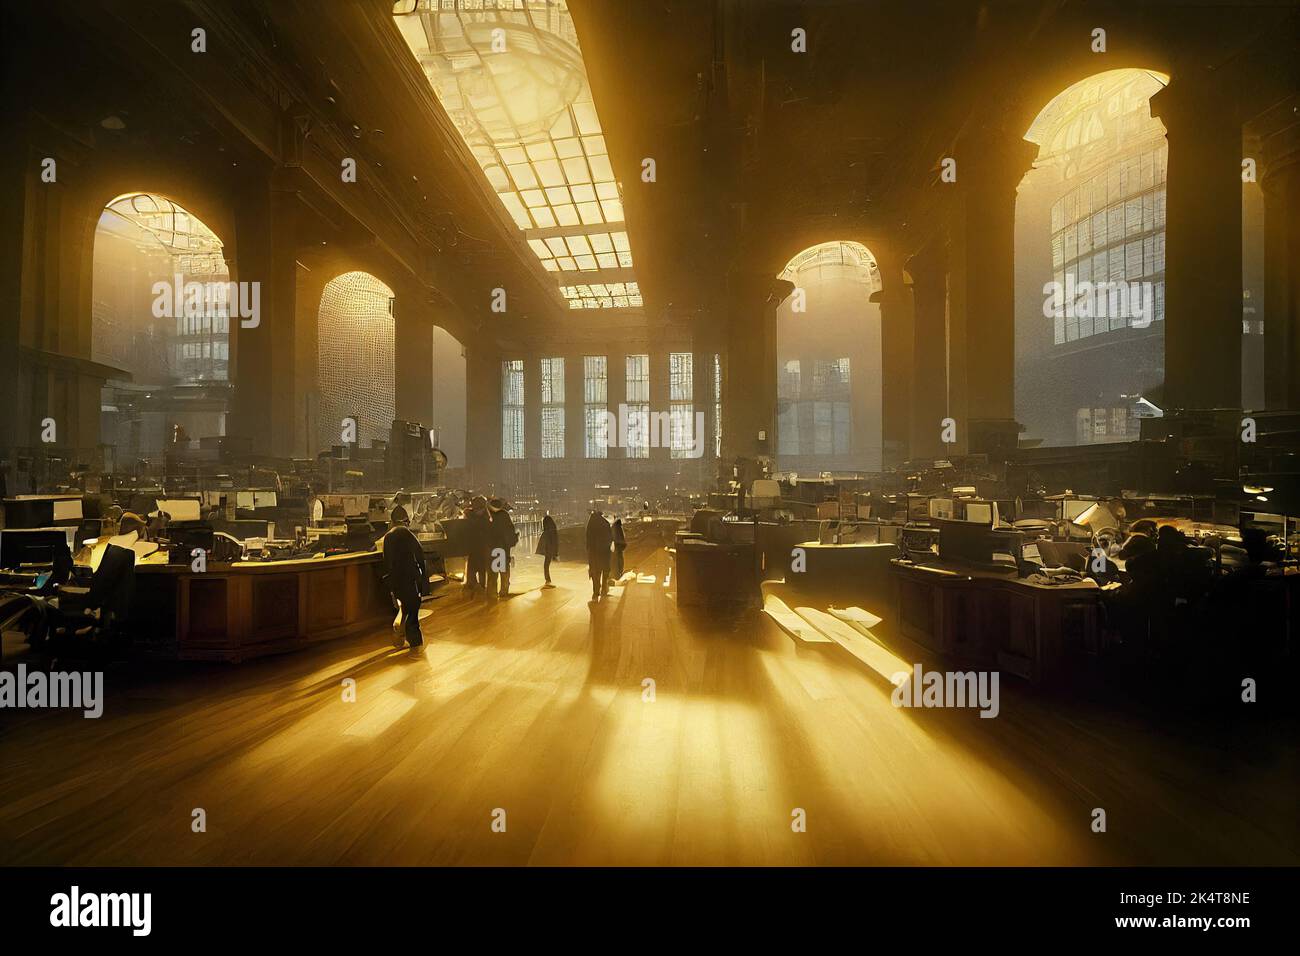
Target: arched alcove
{"points": [[828, 362], [355, 360], [1090, 263], [160, 317]]}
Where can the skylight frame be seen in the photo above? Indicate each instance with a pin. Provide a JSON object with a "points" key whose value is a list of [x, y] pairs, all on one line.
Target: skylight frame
{"points": [[550, 169]]}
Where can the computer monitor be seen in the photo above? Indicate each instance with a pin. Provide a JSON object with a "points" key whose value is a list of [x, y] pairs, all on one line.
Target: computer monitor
{"points": [[42, 511], [980, 512], [965, 541], [185, 538], [1071, 508], [180, 509], [941, 508], [19, 546], [1037, 508]]}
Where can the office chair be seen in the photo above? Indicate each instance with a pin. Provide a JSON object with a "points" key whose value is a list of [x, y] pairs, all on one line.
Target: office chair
{"points": [[93, 617]]}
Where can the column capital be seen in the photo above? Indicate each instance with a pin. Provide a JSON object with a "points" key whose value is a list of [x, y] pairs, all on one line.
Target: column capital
{"points": [[1196, 100], [989, 158], [929, 263]]}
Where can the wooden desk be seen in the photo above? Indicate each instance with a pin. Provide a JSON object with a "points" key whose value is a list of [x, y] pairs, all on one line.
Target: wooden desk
{"points": [[234, 612], [714, 575], [994, 619]]}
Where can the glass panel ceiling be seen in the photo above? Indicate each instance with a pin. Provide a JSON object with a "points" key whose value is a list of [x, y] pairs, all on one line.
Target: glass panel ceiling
{"points": [[510, 75], [838, 253], [1114, 101], [138, 215]]}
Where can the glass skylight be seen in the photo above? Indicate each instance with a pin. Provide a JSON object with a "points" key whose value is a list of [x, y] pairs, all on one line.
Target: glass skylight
{"points": [[854, 255], [510, 75]]}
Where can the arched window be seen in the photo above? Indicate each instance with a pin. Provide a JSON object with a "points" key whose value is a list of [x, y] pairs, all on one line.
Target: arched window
{"points": [[1090, 263], [355, 343], [161, 318], [828, 362]]}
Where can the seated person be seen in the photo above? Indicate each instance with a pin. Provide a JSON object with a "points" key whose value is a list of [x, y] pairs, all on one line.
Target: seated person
{"points": [[1141, 539], [73, 611]]}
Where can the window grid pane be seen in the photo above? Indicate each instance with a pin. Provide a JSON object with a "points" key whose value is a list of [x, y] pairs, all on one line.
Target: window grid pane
{"points": [[595, 388], [717, 406], [681, 377], [512, 409]]}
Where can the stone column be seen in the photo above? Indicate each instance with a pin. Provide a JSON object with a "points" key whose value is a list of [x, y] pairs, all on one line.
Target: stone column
{"points": [[413, 358], [982, 314], [1202, 242], [1280, 182], [749, 390], [483, 412], [263, 354], [929, 272], [896, 359]]}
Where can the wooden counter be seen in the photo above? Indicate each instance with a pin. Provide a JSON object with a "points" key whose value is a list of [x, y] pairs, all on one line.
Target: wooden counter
{"points": [[234, 612], [995, 619]]}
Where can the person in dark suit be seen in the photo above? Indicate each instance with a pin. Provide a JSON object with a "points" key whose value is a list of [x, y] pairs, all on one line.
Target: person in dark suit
{"points": [[548, 546], [620, 545], [504, 537], [478, 530], [408, 578], [599, 538]]}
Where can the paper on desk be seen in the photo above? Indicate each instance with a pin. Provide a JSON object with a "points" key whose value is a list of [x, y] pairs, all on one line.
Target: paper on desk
{"points": [[856, 615]]}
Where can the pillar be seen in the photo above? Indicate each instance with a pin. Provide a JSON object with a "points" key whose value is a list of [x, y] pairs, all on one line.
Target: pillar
{"points": [[1202, 242], [413, 358], [264, 408], [896, 358], [982, 314], [1280, 181], [929, 385], [749, 390], [483, 412]]}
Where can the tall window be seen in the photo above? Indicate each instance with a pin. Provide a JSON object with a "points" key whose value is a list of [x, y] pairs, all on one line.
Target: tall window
{"points": [[638, 406], [822, 424], [787, 415], [681, 394], [595, 397], [815, 416], [553, 408], [717, 405], [832, 421], [1090, 224], [512, 409]]}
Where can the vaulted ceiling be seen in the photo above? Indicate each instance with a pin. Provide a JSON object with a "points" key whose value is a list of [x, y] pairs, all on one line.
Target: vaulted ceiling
{"points": [[759, 150]]}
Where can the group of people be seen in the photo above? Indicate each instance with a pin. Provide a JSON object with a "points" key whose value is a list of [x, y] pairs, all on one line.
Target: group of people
{"points": [[605, 546], [491, 537]]}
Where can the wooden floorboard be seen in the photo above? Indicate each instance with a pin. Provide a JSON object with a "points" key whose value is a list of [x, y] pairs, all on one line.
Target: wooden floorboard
{"points": [[536, 706]]}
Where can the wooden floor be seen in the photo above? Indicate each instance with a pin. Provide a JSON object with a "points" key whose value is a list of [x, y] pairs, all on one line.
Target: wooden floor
{"points": [[535, 705]]}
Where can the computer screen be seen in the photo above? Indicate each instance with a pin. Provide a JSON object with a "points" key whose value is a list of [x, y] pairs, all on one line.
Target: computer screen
{"points": [[66, 509], [941, 508], [980, 512], [1071, 508], [965, 541], [180, 509], [19, 546]]}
